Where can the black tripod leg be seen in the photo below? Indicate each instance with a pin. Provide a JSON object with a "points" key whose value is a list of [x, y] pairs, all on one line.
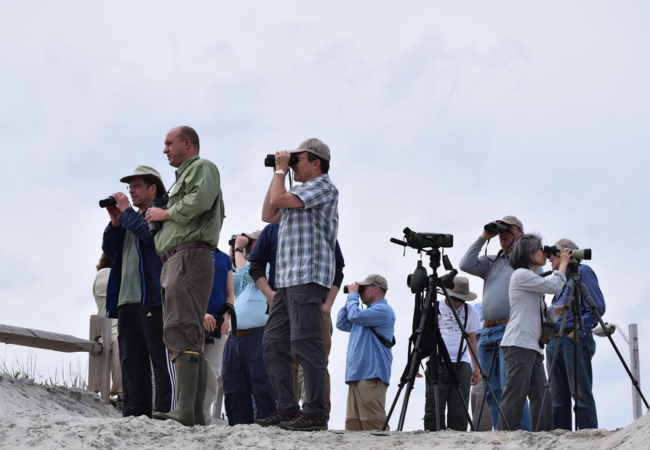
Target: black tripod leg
{"points": [[474, 354], [577, 326], [484, 399], [496, 402], [467, 415], [407, 379], [554, 360], [590, 301], [392, 407]]}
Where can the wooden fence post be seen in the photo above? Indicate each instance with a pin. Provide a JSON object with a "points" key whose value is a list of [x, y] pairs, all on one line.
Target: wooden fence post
{"points": [[99, 364]]}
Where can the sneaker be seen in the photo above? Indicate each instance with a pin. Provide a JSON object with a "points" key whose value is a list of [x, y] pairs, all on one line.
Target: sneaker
{"points": [[306, 422], [274, 419]]}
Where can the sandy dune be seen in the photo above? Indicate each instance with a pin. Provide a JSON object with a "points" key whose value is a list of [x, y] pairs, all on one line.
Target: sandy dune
{"points": [[33, 416]]}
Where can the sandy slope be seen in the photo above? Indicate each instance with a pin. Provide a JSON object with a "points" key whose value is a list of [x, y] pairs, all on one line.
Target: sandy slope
{"points": [[33, 416]]}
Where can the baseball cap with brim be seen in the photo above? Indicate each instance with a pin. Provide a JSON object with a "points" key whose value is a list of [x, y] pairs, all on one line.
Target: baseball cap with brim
{"points": [[314, 146], [254, 235], [376, 280], [148, 173], [511, 220], [461, 290]]}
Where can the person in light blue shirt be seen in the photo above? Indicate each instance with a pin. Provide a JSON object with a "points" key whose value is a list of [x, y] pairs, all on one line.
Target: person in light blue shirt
{"points": [[244, 374], [370, 357]]}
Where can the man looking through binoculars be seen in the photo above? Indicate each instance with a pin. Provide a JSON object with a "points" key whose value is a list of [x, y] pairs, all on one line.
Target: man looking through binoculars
{"points": [[496, 272], [244, 375], [308, 217], [133, 295]]}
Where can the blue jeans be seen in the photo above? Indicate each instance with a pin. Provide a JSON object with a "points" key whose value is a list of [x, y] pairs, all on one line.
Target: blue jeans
{"points": [[491, 339], [562, 381]]}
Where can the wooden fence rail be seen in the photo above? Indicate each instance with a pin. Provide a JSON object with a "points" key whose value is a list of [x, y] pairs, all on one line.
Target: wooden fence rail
{"points": [[98, 346]]}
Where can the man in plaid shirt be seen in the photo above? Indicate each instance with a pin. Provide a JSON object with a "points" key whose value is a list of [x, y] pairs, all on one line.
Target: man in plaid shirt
{"points": [[308, 216]]}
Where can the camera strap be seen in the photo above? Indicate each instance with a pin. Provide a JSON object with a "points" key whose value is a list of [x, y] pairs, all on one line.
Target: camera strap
{"points": [[228, 308], [547, 327], [383, 340], [500, 251], [178, 176], [461, 348]]}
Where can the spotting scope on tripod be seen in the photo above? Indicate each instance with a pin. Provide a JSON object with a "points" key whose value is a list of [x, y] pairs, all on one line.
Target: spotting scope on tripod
{"points": [[426, 340]]}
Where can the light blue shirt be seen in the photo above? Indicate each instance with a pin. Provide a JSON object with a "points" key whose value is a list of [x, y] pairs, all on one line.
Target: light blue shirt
{"points": [[367, 357], [250, 303]]}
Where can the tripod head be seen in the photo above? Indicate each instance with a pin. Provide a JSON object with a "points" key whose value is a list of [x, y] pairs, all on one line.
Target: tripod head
{"points": [[574, 272]]}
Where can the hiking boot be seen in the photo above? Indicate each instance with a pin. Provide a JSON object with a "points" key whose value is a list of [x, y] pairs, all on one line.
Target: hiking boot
{"points": [[306, 422], [274, 419]]}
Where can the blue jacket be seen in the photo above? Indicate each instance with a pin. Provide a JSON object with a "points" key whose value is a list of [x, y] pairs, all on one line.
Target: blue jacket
{"points": [[150, 263], [589, 320], [222, 266], [367, 357]]}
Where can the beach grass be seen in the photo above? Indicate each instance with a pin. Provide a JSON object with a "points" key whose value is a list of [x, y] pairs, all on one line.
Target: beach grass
{"points": [[25, 368]]}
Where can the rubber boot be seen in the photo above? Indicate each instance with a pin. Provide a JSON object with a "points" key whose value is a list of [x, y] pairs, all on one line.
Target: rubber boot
{"points": [[187, 375], [199, 418]]}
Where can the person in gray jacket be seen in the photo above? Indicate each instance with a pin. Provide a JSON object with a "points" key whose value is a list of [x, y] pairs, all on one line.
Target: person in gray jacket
{"points": [[521, 346]]}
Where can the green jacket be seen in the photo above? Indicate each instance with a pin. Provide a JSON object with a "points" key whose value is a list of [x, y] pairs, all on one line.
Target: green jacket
{"points": [[195, 206]]}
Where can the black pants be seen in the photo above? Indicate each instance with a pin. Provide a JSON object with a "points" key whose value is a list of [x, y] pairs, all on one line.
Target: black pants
{"points": [[140, 331], [449, 398]]}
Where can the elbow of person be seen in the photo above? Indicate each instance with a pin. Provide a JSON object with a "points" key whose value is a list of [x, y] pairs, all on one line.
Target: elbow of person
{"points": [[275, 203], [267, 217]]}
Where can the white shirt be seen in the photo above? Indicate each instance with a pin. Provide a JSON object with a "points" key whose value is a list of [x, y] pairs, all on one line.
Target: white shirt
{"points": [[451, 332]]}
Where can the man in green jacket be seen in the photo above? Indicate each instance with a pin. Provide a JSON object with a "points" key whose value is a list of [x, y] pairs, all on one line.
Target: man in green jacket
{"points": [[190, 231]]}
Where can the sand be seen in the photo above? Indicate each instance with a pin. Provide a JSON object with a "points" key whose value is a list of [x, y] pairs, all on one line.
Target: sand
{"points": [[45, 417]]}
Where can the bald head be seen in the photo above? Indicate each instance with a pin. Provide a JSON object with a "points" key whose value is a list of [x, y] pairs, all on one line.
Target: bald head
{"points": [[181, 143], [185, 132]]}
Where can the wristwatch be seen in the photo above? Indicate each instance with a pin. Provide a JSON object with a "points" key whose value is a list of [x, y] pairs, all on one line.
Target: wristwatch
{"points": [[240, 249], [280, 172]]}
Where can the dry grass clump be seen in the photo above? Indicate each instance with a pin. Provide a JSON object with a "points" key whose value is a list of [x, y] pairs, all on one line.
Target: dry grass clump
{"points": [[24, 368]]}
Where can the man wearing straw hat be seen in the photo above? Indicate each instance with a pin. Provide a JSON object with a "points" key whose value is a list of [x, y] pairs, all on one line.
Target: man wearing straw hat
{"points": [[448, 395], [133, 295]]}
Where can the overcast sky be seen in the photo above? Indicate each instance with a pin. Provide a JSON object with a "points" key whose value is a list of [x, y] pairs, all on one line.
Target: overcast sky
{"points": [[441, 116]]}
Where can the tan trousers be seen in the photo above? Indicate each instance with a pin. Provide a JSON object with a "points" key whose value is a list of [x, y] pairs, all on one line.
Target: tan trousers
{"points": [[186, 282], [366, 409]]}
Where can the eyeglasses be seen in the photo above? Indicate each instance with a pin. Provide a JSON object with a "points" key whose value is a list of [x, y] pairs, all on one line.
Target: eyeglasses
{"points": [[135, 186]]}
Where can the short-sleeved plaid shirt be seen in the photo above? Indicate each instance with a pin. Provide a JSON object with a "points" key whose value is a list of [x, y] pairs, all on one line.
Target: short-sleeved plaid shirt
{"points": [[307, 236]]}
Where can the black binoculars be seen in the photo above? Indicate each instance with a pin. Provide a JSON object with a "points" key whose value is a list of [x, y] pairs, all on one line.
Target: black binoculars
{"points": [[494, 227], [269, 161], [361, 288]]}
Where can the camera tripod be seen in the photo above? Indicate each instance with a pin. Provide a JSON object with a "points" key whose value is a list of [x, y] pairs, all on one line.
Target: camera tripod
{"points": [[426, 337], [477, 419], [576, 292]]}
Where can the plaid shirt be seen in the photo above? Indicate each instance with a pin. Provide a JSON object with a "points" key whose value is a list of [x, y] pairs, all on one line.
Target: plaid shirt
{"points": [[307, 236]]}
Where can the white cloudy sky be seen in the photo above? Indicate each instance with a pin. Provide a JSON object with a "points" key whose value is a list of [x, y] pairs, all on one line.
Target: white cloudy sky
{"points": [[440, 117]]}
